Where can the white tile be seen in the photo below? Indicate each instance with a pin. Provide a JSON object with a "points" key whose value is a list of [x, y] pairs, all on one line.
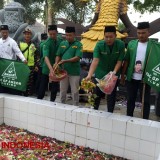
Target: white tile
{"points": [[69, 138], [93, 121], [158, 136], [80, 141], [70, 128], [23, 106], [59, 125], [23, 125], [119, 123], [74, 116], [32, 108], [118, 140], [8, 121], [144, 157], [50, 123], [104, 148], [60, 114], [40, 121], [157, 151], [105, 124], [119, 127], [147, 148], [15, 115], [82, 118], [1, 121], [1, 102], [81, 131], [117, 151], [23, 116], [149, 133], [105, 137], [131, 155], [92, 134], [40, 130], [41, 110], [49, 133], [32, 119], [59, 135], [16, 123], [133, 130], [50, 112], [11, 103], [32, 128], [68, 114], [7, 112], [1, 112], [132, 144], [92, 144]]}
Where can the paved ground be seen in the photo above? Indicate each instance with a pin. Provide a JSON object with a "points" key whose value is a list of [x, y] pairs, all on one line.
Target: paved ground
{"points": [[119, 108]]}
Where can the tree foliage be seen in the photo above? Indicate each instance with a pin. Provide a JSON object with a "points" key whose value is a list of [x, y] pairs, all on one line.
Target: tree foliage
{"points": [[145, 5], [78, 11], [33, 9]]}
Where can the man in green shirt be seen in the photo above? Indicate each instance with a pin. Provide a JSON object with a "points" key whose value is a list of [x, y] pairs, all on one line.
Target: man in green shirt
{"points": [[137, 51], [69, 54], [107, 58], [49, 53], [44, 36]]}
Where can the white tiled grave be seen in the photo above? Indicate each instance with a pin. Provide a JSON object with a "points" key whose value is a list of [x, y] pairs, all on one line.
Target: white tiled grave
{"points": [[131, 138]]}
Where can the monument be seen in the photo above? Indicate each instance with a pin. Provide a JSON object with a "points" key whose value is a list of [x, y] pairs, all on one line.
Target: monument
{"points": [[13, 16]]}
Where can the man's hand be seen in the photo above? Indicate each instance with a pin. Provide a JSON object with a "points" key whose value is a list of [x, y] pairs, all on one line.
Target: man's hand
{"points": [[25, 62], [62, 62], [88, 78]]}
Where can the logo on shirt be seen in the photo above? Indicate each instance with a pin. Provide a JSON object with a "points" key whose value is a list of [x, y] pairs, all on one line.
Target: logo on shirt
{"points": [[74, 47], [63, 46], [10, 72], [156, 69]]}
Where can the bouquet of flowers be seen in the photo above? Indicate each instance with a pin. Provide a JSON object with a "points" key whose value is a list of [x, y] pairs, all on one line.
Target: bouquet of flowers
{"points": [[88, 87], [58, 74], [107, 83]]}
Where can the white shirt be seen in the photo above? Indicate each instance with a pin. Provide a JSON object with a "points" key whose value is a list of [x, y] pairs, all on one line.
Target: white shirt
{"points": [[139, 62], [9, 49]]}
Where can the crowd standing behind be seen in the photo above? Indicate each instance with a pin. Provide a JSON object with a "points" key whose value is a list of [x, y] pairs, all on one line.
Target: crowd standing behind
{"points": [[108, 57]]}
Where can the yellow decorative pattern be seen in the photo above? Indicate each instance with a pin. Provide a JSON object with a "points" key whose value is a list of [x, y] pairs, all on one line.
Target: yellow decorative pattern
{"points": [[110, 11]]}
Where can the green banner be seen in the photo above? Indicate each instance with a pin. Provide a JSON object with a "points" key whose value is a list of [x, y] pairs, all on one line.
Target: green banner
{"points": [[14, 74], [152, 72]]}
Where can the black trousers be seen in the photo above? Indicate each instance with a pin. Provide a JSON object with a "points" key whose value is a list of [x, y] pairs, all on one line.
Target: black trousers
{"points": [[158, 105], [133, 87], [111, 99], [44, 84]]}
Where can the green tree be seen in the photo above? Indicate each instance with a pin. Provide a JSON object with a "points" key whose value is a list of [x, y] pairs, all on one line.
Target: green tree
{"points": [[33, 9], [145, 5]]}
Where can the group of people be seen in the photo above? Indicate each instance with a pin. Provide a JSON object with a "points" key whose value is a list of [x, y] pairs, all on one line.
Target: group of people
{"points": [[109, 56]]}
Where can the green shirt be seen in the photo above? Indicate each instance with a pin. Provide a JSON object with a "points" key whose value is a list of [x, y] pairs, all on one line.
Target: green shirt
{"points": [[49, 50], [41, 52], [108, 59], [68, 51], [131, 56]]}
